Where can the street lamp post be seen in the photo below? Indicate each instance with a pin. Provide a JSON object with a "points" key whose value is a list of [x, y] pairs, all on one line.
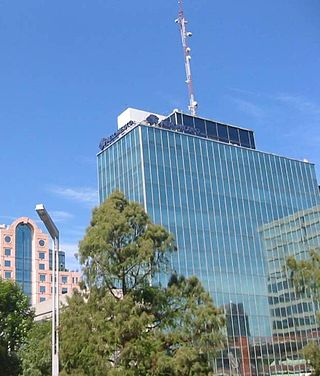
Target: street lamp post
{"points": [[54, 233]]}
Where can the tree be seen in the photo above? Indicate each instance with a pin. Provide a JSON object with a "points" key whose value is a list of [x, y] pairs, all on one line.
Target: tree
{"points": [[126, 322], [36, 353], [305, 275], [122, 250], [16, 318]]}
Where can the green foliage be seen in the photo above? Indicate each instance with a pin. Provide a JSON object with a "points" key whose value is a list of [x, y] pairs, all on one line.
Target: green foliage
{"points": [[306, 278], [311, 352], [123, 324], [306, 273], [16, 320], [36, 353], [122, 247], [103, 335]]}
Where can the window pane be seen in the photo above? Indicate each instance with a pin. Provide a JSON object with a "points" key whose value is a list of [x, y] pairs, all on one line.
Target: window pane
{"points": [[233, 134], [188, 121], [244, 137], [179, 121], [64, 279], [7, 275], [252, 140], [7, 251], [200, 124], [222, 131], [211, 129]]}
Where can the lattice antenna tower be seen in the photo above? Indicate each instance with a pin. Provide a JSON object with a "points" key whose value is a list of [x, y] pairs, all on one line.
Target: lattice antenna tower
{"points": [[187, 57]]}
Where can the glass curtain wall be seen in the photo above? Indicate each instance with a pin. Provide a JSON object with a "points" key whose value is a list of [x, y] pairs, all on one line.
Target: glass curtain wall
{"points": [[215, 198], [24, 234]]}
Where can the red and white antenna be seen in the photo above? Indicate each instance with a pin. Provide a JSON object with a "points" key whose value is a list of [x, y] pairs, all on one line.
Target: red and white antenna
{"points": [[187, 57]]}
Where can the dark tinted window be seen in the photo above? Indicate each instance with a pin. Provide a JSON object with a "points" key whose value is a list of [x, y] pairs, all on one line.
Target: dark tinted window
{"points": [[222, 131], [211, 129], [200, 124], [244, 137], [233, 134], [188, 121], [7, 251], [252, 140], [179, 121], [172, 118]]}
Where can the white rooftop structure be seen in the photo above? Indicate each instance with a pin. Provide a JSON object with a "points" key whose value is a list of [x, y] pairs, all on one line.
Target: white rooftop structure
{"points": [[135, 115]]}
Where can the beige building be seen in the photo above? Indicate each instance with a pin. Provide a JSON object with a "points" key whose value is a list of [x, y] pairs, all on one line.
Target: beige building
{"points": [[26, 257]]}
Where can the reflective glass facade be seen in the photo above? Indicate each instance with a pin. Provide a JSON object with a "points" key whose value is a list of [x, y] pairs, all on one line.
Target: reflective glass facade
{"points": [[24, 258], [216, 199], [292, 313], [213, 129]]}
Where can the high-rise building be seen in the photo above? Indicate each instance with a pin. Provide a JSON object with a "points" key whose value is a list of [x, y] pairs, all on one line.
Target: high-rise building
{"points": [[207, 184], [25, 257]]}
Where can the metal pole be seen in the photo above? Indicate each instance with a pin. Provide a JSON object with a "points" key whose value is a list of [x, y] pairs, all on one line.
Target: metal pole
{"points": [[53, 297], [56, 287], [54, 233]]}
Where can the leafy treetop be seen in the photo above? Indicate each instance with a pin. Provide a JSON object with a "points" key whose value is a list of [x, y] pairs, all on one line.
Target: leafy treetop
{"points": [[122, 248]]}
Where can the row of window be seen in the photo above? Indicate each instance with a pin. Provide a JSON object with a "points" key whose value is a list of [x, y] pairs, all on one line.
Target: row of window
{"points": [[8, 239], [294, 309], [294, 322], [214, 130], [42, 277], [64, 279], [42, 290], [7, 252]]}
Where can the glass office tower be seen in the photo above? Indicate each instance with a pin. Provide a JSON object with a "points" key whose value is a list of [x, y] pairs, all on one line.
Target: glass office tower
{"points": [[208, 185]]}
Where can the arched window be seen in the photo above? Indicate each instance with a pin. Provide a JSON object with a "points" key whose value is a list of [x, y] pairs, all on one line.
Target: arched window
{"points": [[24, 257]]}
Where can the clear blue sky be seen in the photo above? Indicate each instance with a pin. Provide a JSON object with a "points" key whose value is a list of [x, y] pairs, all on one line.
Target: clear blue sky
{"points": [[68, 68]]}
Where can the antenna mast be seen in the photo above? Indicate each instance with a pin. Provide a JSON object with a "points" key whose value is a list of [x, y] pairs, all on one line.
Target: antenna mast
{"points": [[187, 57]]}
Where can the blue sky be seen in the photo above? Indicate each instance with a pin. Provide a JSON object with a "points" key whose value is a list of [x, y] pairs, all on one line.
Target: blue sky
{"points": [[68, 68]]}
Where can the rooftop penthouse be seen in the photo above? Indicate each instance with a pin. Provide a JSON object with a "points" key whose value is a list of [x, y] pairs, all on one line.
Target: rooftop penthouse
{"points": [[182, 123]]}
